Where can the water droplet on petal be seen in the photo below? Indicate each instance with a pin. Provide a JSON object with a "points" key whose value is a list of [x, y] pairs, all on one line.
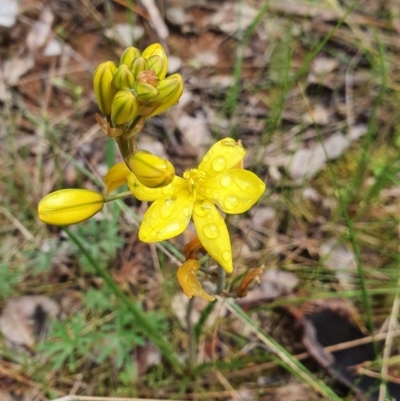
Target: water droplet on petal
{"points": [[210, 216], [55, 196], [216, 195], [208, 191], [211, 231], [243, 185], [226, 181], [231, 201], [206, 158], [186, 211], [226, 255], [167, 209], [219, 163]]}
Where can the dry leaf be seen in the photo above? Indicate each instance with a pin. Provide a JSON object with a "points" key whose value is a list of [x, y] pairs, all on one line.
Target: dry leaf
{"points": [[40, 31], [337, 257], [8, 12], [17, 322], [307, 163]]}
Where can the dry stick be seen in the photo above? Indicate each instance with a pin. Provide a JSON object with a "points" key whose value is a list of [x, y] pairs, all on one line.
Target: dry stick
{"points": [[388, 343], [90, 398]]}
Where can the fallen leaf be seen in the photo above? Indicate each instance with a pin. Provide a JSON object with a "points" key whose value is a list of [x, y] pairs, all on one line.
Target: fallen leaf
{"points": [[21, 315], [337, 257], [308, 162], [125, 34], [273, 284], [8, 12], [40, 30]]}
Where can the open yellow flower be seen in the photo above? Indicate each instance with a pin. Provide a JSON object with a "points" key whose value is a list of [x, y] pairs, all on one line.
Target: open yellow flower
{"points": [[216, 182]]}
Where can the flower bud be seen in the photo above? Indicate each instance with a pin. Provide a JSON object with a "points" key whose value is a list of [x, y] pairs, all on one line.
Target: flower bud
{"points": [[157, 50], [169, 92], [123, 78], [145, 92], [124, 107], [156, 63], [189, 282], [129, 54], [103, 85], [69, 206], [150, 170], [138, 65]]}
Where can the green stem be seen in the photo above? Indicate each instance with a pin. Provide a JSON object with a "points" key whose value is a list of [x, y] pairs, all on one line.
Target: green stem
{"points": [[117, 196], [221, 280], [140, 317], [191, 335]]}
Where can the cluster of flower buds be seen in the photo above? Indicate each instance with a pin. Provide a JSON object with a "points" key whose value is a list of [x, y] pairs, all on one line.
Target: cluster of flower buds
{"points": [[138, 87]]}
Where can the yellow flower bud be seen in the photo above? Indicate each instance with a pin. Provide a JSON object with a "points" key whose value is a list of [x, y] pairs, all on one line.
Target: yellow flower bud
{"points": [[156, 63], [124, 107], [103, 85], [69, 206], [138, 65], [129, 54], [145, 92], [189, 282], [123, 78], [169, 92], [157, 50], [150, 170]]}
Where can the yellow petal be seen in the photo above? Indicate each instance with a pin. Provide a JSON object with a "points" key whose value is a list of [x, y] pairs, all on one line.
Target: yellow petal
{"points": [[166, 218], [69, 206], [189, 282], [116, 177], [223, 155], [213, 233], [234, 191], [151, 194]]}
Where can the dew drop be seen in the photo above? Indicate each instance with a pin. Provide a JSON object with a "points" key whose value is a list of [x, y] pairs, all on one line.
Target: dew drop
{"points": [[186, 211], [206, 158], [219, 163], [226, 255], [242, 184], [208, 191], [210, 216], [226, 181], [55, 196], [167, 209], [216, 195], [211, 231], [231, 202]]}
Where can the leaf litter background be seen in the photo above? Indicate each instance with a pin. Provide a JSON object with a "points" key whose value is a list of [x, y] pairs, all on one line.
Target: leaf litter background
{"points": [[321, 124]]}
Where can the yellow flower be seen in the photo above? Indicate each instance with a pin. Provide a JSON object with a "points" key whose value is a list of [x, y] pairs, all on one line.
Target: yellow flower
{"points": [[216, 182], [69, 206]]}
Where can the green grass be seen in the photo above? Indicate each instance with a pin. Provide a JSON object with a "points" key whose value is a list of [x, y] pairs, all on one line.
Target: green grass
{"points": [[99, 336]]}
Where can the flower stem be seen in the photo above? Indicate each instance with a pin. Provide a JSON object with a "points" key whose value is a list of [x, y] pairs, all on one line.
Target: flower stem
{"points": [[191, 335], [221, 280], [140, 317], [117, 196]]}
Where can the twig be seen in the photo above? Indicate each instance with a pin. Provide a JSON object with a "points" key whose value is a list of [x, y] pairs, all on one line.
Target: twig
{"points": [[388, 343]]}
